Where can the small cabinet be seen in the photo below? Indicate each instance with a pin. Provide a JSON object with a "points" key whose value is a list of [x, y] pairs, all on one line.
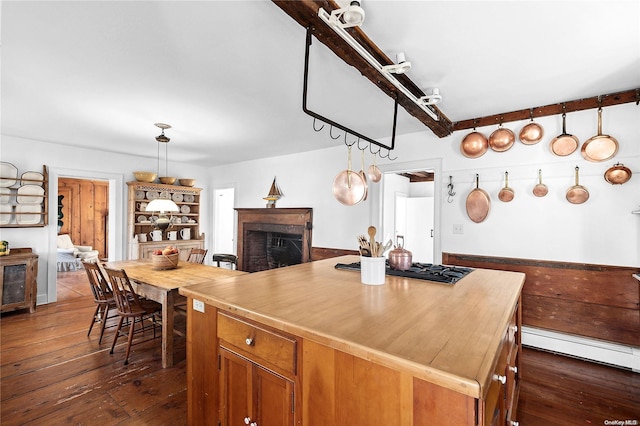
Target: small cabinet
{"points": [[185, 223], [257, 373], [253, 395], [18, 280]]}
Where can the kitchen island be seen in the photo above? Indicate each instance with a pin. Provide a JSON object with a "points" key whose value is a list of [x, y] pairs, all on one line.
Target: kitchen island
{"points": [[309, 344]]}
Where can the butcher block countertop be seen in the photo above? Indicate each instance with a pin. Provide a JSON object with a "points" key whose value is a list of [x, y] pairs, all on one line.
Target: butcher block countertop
{"points": [[446, 334]]}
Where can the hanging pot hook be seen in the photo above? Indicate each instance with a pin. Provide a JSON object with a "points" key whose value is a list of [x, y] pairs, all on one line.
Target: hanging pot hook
{"points": [[361, 149], [345, 141], [331, 134], [451, 192], [374, 153], [314, 125]]}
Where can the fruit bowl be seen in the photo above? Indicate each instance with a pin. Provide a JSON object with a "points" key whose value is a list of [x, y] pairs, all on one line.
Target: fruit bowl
{"points": [[147, 177], [164, 261]]}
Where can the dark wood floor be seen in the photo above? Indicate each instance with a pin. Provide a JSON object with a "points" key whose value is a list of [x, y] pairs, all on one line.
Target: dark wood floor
{"points": [[52, 373]]}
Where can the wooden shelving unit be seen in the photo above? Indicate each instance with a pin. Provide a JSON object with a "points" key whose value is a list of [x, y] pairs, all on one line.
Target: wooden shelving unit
{"points": [[13, 213], [185, 197]]}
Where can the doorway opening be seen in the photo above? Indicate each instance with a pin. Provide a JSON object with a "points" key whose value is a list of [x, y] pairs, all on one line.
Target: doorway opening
{"points": [[224, 221], [83, 214]]}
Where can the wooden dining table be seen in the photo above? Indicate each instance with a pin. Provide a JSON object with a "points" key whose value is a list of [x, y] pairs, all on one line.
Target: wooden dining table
{"points": [[162, 286]]}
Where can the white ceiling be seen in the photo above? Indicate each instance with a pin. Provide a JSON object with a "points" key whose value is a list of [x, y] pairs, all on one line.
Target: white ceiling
{"points": [[227, 75]]}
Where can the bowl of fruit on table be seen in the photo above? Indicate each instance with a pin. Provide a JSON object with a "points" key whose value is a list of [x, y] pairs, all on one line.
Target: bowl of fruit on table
{"points": [[166, 258]]}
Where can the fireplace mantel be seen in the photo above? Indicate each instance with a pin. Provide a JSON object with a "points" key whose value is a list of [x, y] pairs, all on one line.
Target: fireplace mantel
{"points": [[290, 221]]}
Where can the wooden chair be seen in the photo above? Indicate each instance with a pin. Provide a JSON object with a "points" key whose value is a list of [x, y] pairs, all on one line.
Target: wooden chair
{"points": [[232, 259], [130, 306], [197, 255], [102, 296]]}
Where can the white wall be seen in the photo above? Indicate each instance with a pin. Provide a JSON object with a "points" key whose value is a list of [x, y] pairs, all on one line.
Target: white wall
{"points": [[602, 230]]}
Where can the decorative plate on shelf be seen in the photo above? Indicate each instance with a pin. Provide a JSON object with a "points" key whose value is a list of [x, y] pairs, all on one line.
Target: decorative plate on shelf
{"points": [[152, 195], [185, 209], [5, 195], [177, 197], [164, 194], [142, 219], [28, 219], [32, 178], [189, 198], [5, 218], [8, 174], [140, 194], [30, 194]]}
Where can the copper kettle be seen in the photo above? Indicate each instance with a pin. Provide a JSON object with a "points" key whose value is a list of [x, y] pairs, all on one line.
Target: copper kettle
{"points": [[400, 258]]}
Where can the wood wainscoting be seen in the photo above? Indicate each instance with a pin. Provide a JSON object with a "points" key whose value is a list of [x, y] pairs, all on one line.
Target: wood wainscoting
{"points": [[594, 301]]}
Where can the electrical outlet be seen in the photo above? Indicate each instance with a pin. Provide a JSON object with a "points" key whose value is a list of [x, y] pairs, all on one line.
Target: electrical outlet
{"points": [[198, 305], [458, 228]]}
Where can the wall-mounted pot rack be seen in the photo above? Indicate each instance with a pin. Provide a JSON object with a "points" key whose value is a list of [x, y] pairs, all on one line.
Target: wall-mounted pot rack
{"points": [[609, 99]]}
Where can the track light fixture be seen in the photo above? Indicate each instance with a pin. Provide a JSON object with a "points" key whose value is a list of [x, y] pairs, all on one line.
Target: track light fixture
{"points": [[350, 16], [339, 29], [401, 67], [433, 98]]}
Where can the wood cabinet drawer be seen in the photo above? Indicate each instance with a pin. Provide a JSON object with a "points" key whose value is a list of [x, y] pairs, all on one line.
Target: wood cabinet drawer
{"points": [[263, 346]]}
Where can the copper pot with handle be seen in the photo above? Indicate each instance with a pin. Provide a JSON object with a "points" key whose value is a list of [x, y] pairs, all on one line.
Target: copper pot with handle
{"points": [[577, 194], [478, 203], [506, 194], [617, 174], [474, 145], [600, 147], [564, 144]]}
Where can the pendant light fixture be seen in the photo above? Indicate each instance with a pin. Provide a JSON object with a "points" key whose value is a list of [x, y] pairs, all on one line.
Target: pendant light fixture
{"points": [[163, 205]]}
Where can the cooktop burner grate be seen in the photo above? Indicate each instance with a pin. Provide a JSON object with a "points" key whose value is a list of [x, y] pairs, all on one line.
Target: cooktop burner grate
{"points": [[422, 271]]}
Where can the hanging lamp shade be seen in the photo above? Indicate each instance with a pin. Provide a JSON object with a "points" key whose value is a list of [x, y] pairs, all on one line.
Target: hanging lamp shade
{"points": [[162, 205]]}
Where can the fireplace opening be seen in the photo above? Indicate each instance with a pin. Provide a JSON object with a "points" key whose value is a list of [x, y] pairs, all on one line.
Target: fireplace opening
{"points": [[270, 250]]}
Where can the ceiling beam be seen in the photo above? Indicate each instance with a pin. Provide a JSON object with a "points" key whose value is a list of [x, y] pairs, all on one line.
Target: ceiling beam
{"points": [[610, 99], [305, 12]]}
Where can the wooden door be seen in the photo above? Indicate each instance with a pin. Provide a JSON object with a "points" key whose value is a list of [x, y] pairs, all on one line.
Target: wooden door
{"points": [[251, 395]]}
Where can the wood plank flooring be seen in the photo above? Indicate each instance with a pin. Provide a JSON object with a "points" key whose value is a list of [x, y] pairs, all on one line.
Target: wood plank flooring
{"points": [[51, 373]]}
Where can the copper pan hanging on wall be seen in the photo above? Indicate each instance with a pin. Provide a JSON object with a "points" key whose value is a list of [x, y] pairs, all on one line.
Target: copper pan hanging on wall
{"points": [[474, 145], [600, 147], [506, 194], [617, 174], [532, 132], [478, 203], [564, 144], [501, 139], [577, 194]]}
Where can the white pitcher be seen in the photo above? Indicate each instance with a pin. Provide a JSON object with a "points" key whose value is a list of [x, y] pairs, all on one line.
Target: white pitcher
{"points": [[172, 235], [185, 233], [156, 235], [142, 238]]}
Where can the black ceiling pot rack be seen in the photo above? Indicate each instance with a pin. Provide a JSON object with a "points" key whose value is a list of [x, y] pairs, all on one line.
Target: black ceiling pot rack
{"points": [[332, 123]]}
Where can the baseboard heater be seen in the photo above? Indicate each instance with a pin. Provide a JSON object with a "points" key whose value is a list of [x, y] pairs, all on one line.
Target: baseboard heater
{"points": [[581, 347]]}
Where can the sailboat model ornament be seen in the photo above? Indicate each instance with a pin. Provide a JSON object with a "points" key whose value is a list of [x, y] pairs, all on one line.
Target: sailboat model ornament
{"points": [[274, 195]]}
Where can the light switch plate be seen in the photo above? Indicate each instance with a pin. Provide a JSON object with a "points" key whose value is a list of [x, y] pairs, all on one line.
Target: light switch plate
{"points": [[458, 228], [198, 305]]}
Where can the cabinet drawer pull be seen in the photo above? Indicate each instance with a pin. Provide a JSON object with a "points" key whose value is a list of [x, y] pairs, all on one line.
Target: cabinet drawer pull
{"points": [[501, 379], [513, 368], [247, 420], [514, 328], [514, 423], [249, 342]]}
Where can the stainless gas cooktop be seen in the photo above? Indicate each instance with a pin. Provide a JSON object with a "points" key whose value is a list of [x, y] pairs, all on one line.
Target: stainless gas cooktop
{"points": [[422, 271]]}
